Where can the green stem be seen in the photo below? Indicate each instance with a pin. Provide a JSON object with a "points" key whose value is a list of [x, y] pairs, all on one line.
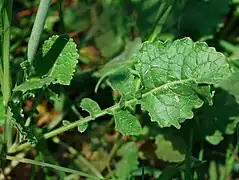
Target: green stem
{"points": [[37, 29], [102, 113], [7, 16], [48, 165]]}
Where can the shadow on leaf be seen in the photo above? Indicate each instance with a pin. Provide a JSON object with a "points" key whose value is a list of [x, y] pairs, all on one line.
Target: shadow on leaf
{"points": [[43, 63]]}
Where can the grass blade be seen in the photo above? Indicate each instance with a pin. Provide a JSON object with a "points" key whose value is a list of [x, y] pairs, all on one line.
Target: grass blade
{"points": [[48, 165]]}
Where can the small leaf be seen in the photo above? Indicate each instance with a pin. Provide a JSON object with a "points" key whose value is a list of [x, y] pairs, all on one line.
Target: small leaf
{"points": [[123, 81], [171, 74], [215, 138], [126, 123], [90, 106], [59, 59], [66, 123], [33, 83], [170, 147], [82, 127], [128, 163]]}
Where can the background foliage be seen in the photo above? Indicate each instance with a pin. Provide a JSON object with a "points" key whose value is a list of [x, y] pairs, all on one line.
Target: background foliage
{"points": [[151, 87]]}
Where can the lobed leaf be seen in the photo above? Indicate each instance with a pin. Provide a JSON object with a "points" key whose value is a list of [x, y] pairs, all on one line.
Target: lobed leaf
{"points": [[90, 106], [171, 74], [126, 123], [123, 81]]}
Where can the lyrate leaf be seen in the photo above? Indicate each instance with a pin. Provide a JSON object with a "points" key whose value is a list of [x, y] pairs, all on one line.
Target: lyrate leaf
{"points": [[57, 64], [171, 74], [90, 106], [126, 123]]}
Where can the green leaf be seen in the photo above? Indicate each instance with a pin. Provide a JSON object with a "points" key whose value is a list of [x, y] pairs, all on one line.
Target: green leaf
{"points": [[215, 138], [66, 122], [123, 81], [33, 83], [82, 127], [66, 58], [90, 106], [59, 56], [170, 147], [128, 163], [126, 123], [171, 74]]}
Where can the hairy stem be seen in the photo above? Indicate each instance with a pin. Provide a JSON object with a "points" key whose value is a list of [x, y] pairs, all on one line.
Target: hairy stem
{"points": [[102, 113]]}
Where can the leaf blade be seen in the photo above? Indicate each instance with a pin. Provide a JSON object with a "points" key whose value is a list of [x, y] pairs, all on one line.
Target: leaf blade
{"points": [[170, 75]]}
